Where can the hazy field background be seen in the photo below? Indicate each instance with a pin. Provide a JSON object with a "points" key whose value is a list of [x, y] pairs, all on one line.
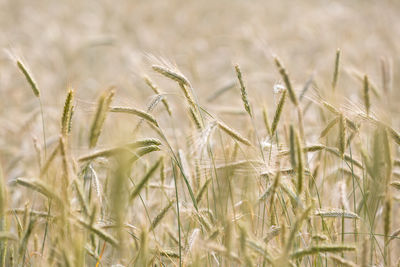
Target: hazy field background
{"points": [[89, 46]]}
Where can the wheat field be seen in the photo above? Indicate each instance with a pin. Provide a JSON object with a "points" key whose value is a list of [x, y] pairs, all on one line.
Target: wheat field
{"points": [[199, 133]]}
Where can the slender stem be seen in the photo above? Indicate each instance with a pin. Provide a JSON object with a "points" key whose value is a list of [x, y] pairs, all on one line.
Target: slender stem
{"points": [[179, 220], [46, 226], [43, 129]]}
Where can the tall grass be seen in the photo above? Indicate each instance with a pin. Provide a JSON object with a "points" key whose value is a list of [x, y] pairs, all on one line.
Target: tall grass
{"points": [[232, 234], [311, 180]]}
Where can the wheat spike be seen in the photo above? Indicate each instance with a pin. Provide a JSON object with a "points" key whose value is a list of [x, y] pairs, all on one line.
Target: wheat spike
{"points": [[278, 113], [171, 74], [285, 77], [144, 180], [157, 91], [235, 135], [103, 106], [129, 110], [243, 91], [29, 78], [336, 70], [321, 249], [160, 215], [67, 113]]}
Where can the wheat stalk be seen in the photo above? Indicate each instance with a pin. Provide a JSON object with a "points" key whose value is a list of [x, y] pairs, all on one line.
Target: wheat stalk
{"points": [[342, 135]]}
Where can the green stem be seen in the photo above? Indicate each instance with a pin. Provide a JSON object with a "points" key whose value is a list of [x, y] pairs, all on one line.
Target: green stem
{"points": [[179, 220]]}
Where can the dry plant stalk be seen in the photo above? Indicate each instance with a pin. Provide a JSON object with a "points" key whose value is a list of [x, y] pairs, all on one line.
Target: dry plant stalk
{"points": [[299, 164], [387, 214], [292, 148], [367, 101], [342, 135]]}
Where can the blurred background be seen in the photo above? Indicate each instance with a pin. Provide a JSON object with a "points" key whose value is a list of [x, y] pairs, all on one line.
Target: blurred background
{"points": [[91, 45]]}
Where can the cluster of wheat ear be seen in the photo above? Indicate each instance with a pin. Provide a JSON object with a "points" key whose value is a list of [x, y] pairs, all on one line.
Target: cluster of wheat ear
{"points": [[315, 186]]}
